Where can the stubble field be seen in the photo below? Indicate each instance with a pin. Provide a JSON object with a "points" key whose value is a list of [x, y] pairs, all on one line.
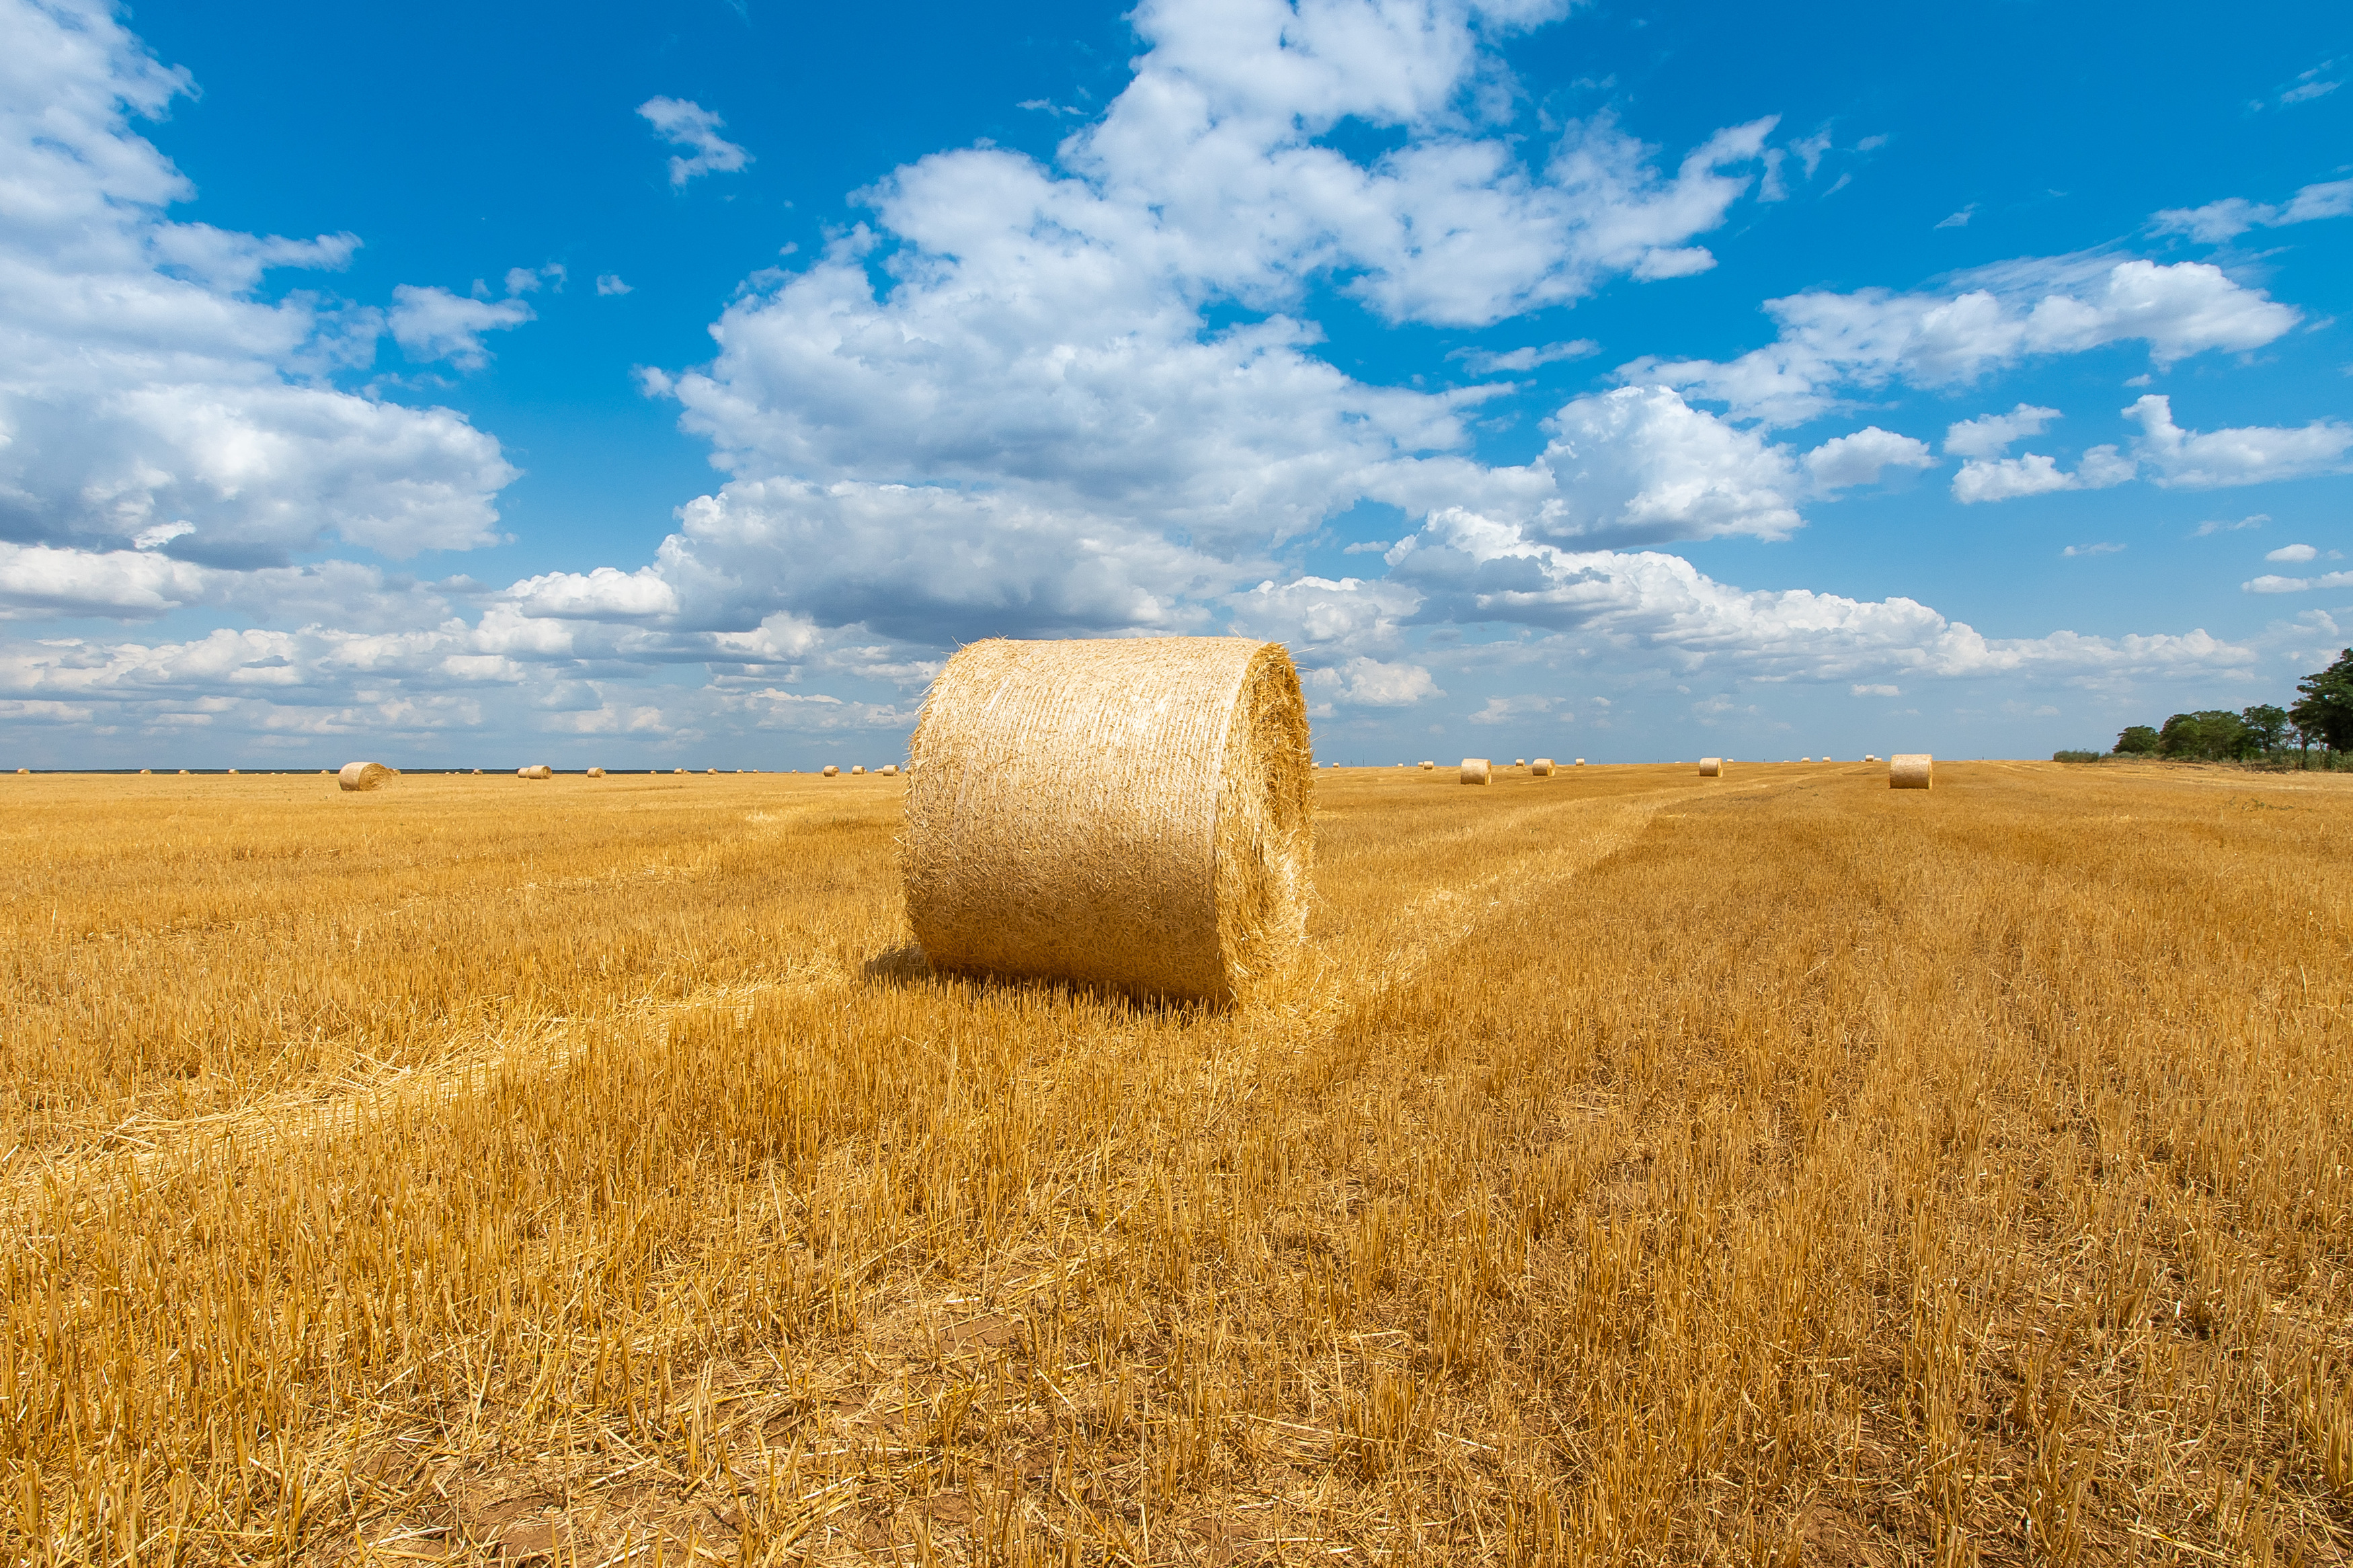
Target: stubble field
{"points": [[1646, 1169]]}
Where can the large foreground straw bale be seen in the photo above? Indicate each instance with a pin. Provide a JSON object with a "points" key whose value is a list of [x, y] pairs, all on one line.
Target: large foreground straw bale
{"points": [[362, 775], [1541, 768], [1711, 767], [1127, 812], [1911, 770], [1476, 771]]}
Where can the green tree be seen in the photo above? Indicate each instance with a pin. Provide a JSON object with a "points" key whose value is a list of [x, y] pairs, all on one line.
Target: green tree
{"points": [[2266, 726], [2137, 740], [2323, 712], [2209, 735]]}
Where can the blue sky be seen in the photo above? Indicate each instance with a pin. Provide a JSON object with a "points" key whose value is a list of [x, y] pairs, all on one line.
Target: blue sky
{"points": [[678, 384]]}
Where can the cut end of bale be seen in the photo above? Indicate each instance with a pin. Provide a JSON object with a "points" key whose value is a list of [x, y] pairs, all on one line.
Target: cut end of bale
{"points": [[362, 775], [1911, 770], [1126, 813], [1711, 767], [1477, 771]]}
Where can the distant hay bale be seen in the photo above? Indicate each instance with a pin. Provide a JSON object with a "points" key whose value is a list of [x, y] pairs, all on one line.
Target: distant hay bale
{"points": [[1127, 813], [1541, 767], [536, 771], [144, 772], [596, 772], [889, 770], [1519, 761], [712, 771], [832, 770], [1580, 762], [362, 775], [1711, 767], [1911, 770], [232, 772], [856, 769], [478, 773], [1427, 766], [1476, 771], [183, 772], [1870, 757], [28, 770]]}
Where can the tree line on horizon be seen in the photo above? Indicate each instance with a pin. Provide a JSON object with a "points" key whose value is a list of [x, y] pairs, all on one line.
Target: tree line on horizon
{"points": [[2321, 716]]}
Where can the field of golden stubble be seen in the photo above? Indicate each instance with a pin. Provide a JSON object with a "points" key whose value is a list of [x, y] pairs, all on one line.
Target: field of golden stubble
{"points": [[1769, 1170]]}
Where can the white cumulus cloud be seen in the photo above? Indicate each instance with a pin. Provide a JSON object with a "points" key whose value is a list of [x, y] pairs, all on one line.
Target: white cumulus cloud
{"points": [[144, 393], [2250, 455], [685, 123], [2227, 219], [1871, 338]]}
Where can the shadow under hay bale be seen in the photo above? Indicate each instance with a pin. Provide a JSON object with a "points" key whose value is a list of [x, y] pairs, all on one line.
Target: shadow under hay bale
{"points": [[1124, 813]]}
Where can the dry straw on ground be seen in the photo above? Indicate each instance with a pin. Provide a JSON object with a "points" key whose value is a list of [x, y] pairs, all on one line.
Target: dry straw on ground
{"points": [[1476, 771], [1911, 770], [358, 777], [1126, 813], [1711, 767], [1967, 1187], [1541, 767]]}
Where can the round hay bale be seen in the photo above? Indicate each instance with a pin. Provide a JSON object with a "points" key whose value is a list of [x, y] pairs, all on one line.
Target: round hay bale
{"points": [[1911, 770], [1127, 813], [145, 772], [596, 772], [1580, 762], [536, 771], [1426, 764], [1870, 756], [232, 772], [1541, 768], [832, 770], [1805, 759], [856, 769], [712, 771], [890, 770], [362, 775], [28, 770], [183, 772], [1476, 771], [1711, 767], [1519, 761]]}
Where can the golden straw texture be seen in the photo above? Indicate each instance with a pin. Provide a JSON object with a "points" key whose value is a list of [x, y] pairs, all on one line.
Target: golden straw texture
{"points": [[1475, 771], [1711, 767], [1127, 813], [1541, 767], [1911, 770], [362, 775]]}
